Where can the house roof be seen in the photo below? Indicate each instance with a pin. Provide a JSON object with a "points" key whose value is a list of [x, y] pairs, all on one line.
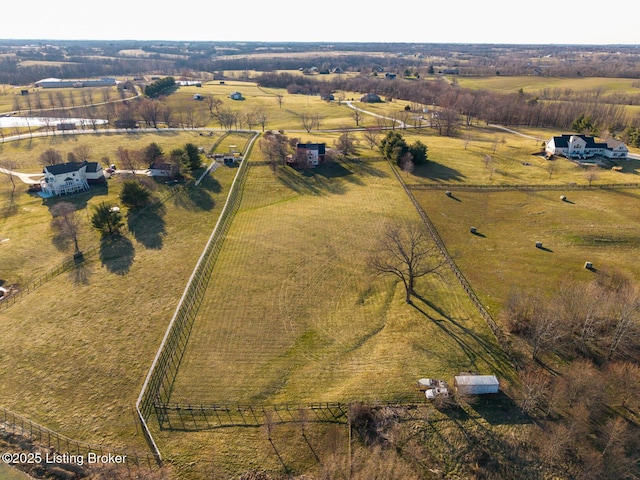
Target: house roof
{"points": [[613, 144], [313, 146], [160, 166], [562, 141], [62, 168], [93, 167]]}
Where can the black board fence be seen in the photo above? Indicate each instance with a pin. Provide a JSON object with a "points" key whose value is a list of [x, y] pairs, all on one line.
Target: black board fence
{"points": [[13, 424], [162, 373]]}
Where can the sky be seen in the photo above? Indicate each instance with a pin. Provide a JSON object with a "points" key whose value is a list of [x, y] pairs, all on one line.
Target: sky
{"points": [[410, 21]]}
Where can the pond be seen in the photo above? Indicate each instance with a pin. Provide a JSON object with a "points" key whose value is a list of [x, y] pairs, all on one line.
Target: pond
{"points": [[11, 121]]}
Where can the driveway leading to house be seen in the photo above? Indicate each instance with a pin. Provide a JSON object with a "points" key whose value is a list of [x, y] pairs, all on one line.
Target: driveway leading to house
{"points": [[24, 177]]}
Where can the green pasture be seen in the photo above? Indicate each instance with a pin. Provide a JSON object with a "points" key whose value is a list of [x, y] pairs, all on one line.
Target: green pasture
{"points": [[25, 153], [75, 352], [279, 117], [293, 314], [533, 84], [595, 226], [512, 160]]}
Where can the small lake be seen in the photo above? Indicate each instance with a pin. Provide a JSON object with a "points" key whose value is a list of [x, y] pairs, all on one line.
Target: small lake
{"points": [[9, 122]]}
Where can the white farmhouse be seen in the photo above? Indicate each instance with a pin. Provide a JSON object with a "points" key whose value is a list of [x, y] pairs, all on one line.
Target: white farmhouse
{"points": [[71, 177], [585, 146]]}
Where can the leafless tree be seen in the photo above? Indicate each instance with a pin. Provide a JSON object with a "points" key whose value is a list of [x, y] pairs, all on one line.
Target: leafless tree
{"points": [[50, 157], [82, 152], [213, 104], [8, 166], [371, 136], [128, 159], [275, 147], [166, 114], [149, 110], [345, 143], [467, 139], [261, 117], [592, 173], [66, 224], [356, 115], [307, 121], [406, 163], [407, 252], [279, 99]]}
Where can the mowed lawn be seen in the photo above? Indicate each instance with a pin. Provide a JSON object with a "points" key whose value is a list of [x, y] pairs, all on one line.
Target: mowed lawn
{"points": [[293, 314], [602, 227]]}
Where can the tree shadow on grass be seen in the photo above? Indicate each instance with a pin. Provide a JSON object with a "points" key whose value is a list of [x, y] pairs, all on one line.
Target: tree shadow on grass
{"points": [[475, 346], [81, 272], [308, 182], [79, 200], [366, 168], [148, 226], [194, 198], [438, 172], [117, 254]]}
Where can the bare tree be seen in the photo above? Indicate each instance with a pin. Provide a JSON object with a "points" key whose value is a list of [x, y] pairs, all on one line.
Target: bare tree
{"points": [[356, 114], [128, 159], [213, 104], [592, 174], [66, 224], [261, 117], [82, 152], [371, 136], [279, 99], [7, 167], [345, 143], [50, 157], [150, 110], [406, 163], [408, 253], [307, 121], [274, 146]]}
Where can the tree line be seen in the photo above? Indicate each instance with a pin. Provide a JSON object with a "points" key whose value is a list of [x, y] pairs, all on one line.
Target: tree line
{"points": [[582, 382]]}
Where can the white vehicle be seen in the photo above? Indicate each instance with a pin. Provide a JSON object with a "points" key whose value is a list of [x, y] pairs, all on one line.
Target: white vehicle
{"points": [[426, 383], [432, 393]]}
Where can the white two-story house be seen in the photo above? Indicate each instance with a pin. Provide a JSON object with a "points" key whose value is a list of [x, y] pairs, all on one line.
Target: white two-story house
{"points": [[70, 177], [584, 146]]}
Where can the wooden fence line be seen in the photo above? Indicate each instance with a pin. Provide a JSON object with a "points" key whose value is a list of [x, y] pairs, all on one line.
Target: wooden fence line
{"points": [[493, 326], [159, 382], [17, 424], [500, 188]]}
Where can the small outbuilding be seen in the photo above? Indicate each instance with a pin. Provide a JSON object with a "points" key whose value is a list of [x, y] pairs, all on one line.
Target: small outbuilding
{"points": [[476, 384]]}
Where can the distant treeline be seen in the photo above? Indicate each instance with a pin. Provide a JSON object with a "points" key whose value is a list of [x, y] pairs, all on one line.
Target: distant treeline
{"points": [[517, 109]]}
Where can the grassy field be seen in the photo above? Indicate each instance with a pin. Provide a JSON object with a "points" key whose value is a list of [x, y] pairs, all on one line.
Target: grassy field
{"points": [[75, 352], [27, 250], [596, 226], [533, 84], [292, 313], [308, 322], [513, 160], [24, 153]]}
